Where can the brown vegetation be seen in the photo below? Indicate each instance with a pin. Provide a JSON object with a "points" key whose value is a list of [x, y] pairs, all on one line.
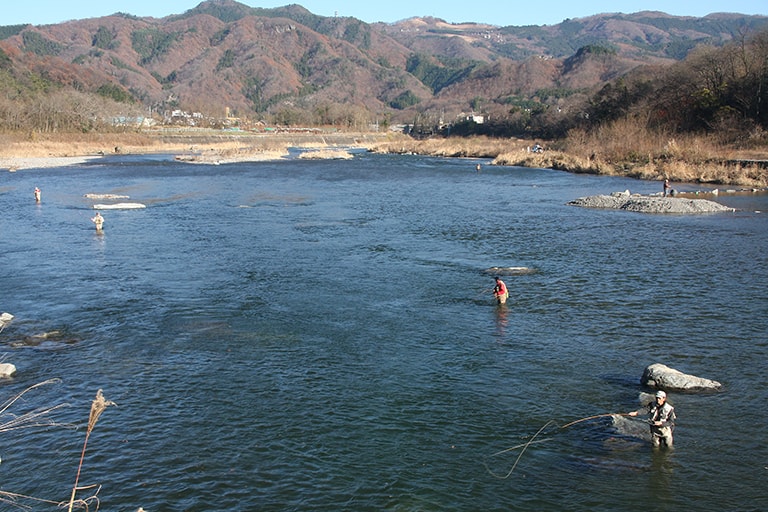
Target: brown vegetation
{"points": [[619, 150], [326, 154], [198, 146], [629, 148], [473, 147], [36, 145]]}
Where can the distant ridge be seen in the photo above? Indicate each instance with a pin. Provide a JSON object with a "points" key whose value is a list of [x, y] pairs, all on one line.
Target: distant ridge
{"points": [[225, 58]]}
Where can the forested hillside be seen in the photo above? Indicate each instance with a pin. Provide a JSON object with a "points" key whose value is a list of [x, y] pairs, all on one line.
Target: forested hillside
{"points": [[227, 64]]}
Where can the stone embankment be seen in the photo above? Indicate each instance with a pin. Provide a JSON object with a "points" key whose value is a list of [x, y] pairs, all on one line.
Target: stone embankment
{"points": [[650, 204]]}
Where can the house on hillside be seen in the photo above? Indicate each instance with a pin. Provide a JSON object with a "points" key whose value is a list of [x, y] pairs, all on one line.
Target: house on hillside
{"points": [[475, 118]]}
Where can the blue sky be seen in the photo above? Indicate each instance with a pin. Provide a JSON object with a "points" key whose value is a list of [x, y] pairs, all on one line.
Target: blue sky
{"points": [[496, 12]]}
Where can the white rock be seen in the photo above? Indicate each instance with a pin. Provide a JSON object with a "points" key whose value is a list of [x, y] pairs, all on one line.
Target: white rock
{"points": [[7, 370], [661, 376]]}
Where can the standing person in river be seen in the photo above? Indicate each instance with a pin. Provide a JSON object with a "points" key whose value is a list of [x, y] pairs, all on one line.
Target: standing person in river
{"points": [[500, 291], [37, 195], [667, 188], [99, 221], [661, 418]]}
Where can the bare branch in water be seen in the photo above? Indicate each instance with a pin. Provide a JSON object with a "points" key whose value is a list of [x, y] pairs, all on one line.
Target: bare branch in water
{"points": [[11, 401], [35, 418], [40, 418], [13, 498]]}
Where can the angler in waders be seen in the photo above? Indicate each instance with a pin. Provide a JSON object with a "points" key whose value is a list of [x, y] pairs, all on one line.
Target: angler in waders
{"points": [[500, 291], [661, 418]]}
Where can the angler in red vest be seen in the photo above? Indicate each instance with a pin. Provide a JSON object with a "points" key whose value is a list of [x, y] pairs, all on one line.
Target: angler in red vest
{"points": [[500, 291]]}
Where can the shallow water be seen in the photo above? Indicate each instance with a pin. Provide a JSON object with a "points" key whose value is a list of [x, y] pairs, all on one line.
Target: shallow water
{"points": [[303, 335]]}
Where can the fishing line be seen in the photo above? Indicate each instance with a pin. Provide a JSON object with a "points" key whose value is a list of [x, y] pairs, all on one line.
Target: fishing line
{"points": [[525, 447], [594, 417], [519, 445], [533, 440]]}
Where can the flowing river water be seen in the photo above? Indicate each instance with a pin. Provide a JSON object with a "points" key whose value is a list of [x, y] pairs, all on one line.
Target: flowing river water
{"points": [[320, 335]]}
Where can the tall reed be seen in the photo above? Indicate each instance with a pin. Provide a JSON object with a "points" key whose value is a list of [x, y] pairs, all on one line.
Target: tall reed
{"points": [[98, 406]]}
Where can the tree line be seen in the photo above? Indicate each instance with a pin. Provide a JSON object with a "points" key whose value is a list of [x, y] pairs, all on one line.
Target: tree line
{"points": [[721, 90]]}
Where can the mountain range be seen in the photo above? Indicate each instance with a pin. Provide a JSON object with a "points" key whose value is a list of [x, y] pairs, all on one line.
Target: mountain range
{"points": [[226, 57]]}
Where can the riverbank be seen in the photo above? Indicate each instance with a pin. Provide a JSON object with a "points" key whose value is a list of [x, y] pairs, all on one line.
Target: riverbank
{"points": [[728, 167], [199, 146], [716, 166]]}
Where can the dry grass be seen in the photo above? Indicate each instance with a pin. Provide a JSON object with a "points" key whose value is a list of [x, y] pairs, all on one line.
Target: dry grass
{"points": [[98, 406], [553, 160], [624, 148], [326, 154], [67, 145], [30, 419], [627, 148], [224, 153], [474, 147], [41, 418], [170, 141], [36, 418], [198, 146]]}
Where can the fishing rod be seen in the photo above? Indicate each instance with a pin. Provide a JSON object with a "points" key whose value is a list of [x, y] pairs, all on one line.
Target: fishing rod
{"points": [[487, 290], [595, 417]]}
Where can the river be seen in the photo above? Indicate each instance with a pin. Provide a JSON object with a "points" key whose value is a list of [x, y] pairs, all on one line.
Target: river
{"points": [[320, 335]]}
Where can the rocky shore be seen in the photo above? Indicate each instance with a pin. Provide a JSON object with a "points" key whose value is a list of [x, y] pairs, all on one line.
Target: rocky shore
{"points": [[13, 164], [650, 204], [194, 146]]}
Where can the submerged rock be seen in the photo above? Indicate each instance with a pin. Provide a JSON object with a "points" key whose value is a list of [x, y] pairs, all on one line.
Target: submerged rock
{"points": [[119, 206], [44, 339], [105, 196], [662, 376], [509, 271]]}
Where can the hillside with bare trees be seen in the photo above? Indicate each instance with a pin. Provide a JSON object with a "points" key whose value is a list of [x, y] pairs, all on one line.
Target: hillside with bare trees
{"points": [[224, 64]]}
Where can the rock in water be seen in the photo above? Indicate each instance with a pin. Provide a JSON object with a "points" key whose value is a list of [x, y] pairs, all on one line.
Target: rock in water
{"points": [[662, 376], [650, 204], [7, 370]]}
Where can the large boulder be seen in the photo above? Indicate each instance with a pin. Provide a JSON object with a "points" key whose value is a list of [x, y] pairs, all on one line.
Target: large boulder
{"points": [[662, 376]]}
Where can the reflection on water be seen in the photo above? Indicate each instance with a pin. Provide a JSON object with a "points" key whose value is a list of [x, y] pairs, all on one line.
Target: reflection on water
{"points": [[502, 320], [327, 347]]}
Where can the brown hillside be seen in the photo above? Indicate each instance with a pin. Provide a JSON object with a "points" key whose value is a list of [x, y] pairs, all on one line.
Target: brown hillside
{"points": [[257, 62]]}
